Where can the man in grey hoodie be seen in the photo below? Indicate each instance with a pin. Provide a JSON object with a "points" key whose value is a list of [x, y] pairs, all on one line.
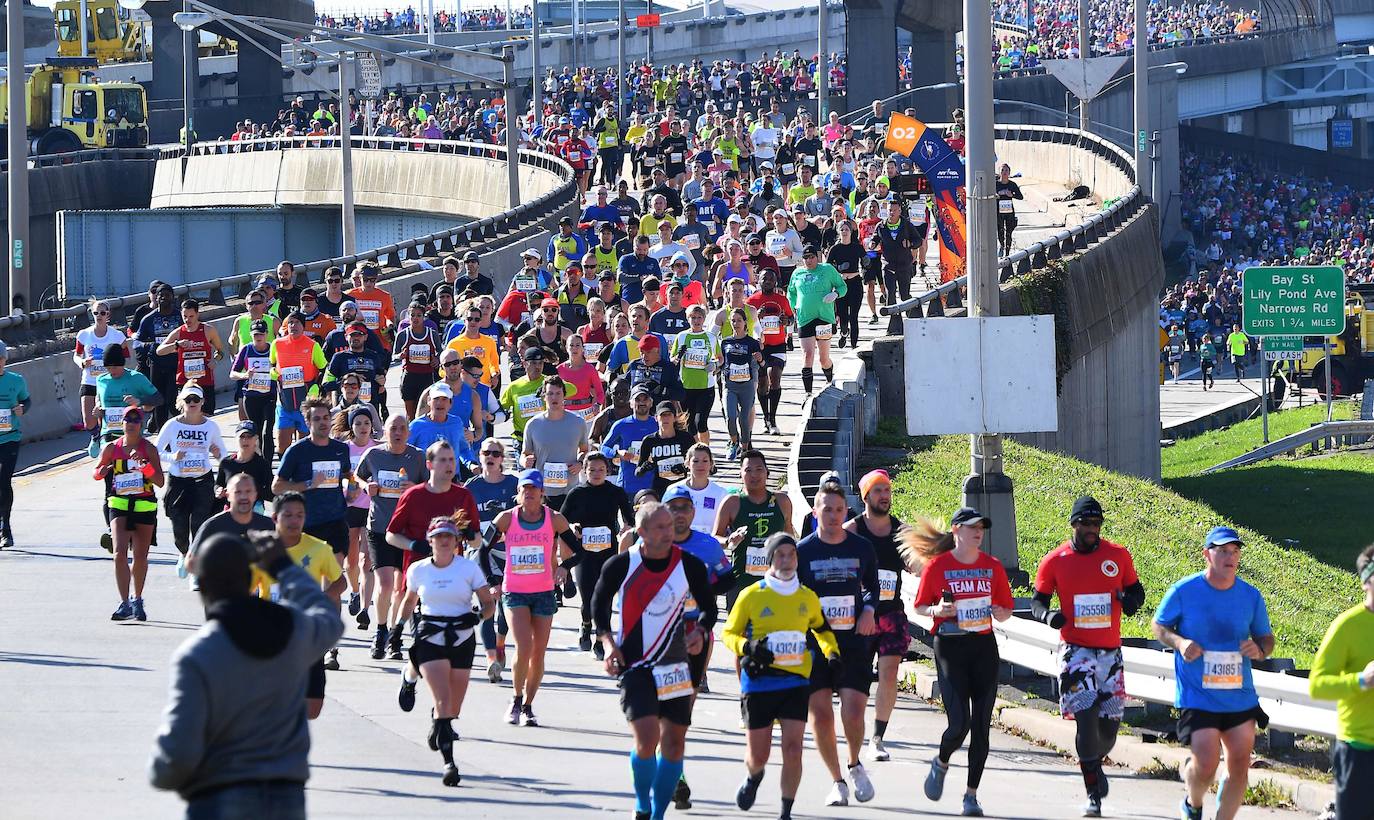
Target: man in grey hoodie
{"points": [[233, 741]]}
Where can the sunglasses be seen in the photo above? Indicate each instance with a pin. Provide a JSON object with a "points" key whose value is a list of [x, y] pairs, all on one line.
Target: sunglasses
{"points": [[102, 313], [191, 400], [493, 453], [476, 374], [451, 363], [334, 280]]}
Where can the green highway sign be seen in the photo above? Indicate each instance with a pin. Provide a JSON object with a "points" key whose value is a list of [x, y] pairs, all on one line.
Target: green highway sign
{"points": [[1280, 348], [1293, 301]]}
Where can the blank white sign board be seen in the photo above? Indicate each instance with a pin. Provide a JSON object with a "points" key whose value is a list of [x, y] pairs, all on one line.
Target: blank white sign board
{"points": [[988, 375]]}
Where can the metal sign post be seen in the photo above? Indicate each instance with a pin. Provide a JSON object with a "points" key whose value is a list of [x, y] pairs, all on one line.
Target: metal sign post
{"points": [[1326, 365]]}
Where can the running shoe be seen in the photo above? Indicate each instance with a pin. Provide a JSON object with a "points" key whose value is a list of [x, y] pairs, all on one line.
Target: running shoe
{"points": [[6, 539], [406, 697], [877, 750], [705, 688], [1093, 807], [873, 320], [139, 614], [1187, 812], [584, 641], [839, 794], [331, 660], [125, 612], [379, 643], [393, 644], [451, 776], [569, 588], [733, 453], [514, 717], [682, 795], [181, 566], [863, 787], [748, 791], [971, 807], [599, 651], [364, 620], [107, 542], [494, 669], [355, 603], [527, 717], [839, 343], [935, 779]]}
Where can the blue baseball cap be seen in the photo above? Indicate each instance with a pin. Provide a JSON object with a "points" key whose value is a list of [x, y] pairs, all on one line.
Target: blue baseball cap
{"points": [[676, 492], [1222, 535], [532, 478]]}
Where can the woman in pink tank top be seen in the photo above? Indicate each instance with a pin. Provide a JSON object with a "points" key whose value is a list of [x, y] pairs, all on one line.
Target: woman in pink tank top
{"points": [[530, 531]]}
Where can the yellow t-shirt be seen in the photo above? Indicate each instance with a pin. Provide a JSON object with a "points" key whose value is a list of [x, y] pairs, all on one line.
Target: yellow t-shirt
{"points": [[648, 224], [310, 554], [484, 348]]}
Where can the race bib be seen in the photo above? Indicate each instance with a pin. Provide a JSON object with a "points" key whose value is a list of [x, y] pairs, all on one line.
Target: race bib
{"points": [[97, 368], [260, 381], [365, 391], [1093, 610], [526, 560], [390, 483], [596, 539], [776, 244], [739, 373], [788, 647], [592, 349], [524, 283], [191, 464], [324, 475], [193, 367], [772, 324], [824, 332], [1005, 206], [917, 214], [371, 317], [974, 614], [756, 561], [419, 354], [555, 476], [887, 585], [667, 467], [292, 377], [673, 680], [675, 157], [839, 611], [695, 358], [650, 161], [6, 420], [691, 241], [586, 413], [530, 406], [633, 449], [789, 169], [1222, 670], [128, 483], [114, 416], [575, 156]]}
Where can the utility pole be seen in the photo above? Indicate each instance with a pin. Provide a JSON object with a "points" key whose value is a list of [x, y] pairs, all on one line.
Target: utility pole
{"points": [[512, 127], [536, 103], [1084, 52], [18, 181], [190, 55], [649, 49], [350, 231], [822, 64], [1144, 176], [987, 487], [85, 45], [620, 64]]}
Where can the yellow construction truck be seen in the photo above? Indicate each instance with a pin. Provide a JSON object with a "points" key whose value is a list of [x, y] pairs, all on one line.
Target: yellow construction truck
{"points": [[1352, 352], [68, 109], [118, 35]]}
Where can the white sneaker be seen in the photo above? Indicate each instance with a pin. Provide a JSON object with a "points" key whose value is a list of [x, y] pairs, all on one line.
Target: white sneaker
{"points": [[878, 751], [863, 787], [494, 669], [181, 566], [839, 794]]}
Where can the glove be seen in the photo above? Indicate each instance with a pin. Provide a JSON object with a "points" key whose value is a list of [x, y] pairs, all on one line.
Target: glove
{"points": [[757, 657], [467, 620], [679, 469], [1055, 619], [829, 297]]}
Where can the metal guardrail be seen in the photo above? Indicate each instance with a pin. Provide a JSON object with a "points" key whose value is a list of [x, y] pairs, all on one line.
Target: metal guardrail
{"points": [[393, 255], [1068, 241], [88, 155], [1329, 433]]}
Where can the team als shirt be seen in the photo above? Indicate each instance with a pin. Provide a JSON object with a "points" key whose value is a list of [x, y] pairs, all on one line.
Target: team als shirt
{"points": [[976, 589], [1089, 587]]}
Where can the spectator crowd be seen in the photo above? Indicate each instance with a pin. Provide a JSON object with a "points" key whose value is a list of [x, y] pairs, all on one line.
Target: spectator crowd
{"points": [[408, 21]]}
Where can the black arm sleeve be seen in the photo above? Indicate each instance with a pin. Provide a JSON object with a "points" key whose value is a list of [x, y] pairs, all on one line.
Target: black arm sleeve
{"points": [[612, 576], [1133, 598], [699, 582], [871, 589], [627, 510], [1040, 608], [575, 544]]}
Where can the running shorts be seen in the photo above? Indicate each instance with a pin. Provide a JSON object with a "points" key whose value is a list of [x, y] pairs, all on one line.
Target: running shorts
{"points": [[1191, 720], [458, 656], [892, 638], [413, 384], [1091, 679], [808, 330], [291, 420], [333, 533], [775, 354], [382, 553], [639, 699], [760, 709], [87, 390], [856, 665]]}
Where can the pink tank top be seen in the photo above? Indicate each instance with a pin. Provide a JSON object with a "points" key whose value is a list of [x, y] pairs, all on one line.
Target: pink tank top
{"points": [[530, 555]]}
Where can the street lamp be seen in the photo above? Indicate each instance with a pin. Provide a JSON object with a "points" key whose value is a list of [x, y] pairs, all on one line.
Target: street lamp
{"points": [[18, 181]]}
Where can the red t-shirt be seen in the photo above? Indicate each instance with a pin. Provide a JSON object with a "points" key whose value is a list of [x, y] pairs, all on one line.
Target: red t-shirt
{"points": [[772, 304], [976, 588], [1088, 586], [418, 506]]}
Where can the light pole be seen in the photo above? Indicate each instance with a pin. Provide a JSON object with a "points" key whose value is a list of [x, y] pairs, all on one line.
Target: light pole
{"points": [[822, 65], [987, 487], [620, 64], [18, 181], [350, 225], [189, 68], [536, 105], [1141, 64]]}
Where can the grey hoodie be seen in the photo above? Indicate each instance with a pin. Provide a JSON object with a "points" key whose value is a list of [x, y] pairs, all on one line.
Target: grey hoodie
{"points": [[236, 706]]}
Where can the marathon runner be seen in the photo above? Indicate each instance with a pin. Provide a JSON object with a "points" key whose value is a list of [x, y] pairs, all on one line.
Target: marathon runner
{"points": [[664, 454], [962, 589], [355, 428], [740, 363], [445, 584], [417, 346], [494, 489], [197, 346], [1217, 625], [130, 468], [252, 368], [1096, 583], [842, 569], [89, 356], [118, 389], [758, 511], [554, 443], [622, 441], [298, 362], [812, 292], [654, 634], [14, 403], [707, 496], [596, 510], [768, 629], [775, 315], [241, 518], [194, 443]]}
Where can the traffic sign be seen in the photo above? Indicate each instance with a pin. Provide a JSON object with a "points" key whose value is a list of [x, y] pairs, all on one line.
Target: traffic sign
{"points": [[369, 75], [1281, 348], [1293, 300], [647, 21]]}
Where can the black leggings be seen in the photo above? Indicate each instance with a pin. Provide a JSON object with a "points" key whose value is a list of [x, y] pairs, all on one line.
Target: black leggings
{"points": [[847, 310], [9, 456], [189, 501], [587, 573], [1006, 226], [262, 411], [967, 665], [698, 404]]}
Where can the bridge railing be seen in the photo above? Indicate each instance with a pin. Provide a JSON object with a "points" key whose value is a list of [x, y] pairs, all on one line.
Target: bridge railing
{"points": [[89, 155], [476, 232]]}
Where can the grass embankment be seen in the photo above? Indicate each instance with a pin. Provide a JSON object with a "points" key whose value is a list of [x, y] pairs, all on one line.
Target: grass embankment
{"points": [[1162, 528]]}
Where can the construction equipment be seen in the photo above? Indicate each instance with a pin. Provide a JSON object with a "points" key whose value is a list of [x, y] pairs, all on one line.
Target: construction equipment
{"points": [[69, 109], [118, 35], [1352, 352]]}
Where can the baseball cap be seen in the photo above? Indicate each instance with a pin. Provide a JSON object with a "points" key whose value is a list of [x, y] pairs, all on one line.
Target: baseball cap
{"points": [[968, 515], [441, 390], [133, 414], [114, 356], [649, 342], [531, 478], [549, 302], [246, 426], [1221, 535], [191, 389], [765, 166], [531, 252], [356, 327], [258, 326], [665, 407], [606, 275], [676, 492], [348, 305], [567, 220], [471, 256], [640, 389], [267, 282], [534, 354], [734, 218], [310, 293]]}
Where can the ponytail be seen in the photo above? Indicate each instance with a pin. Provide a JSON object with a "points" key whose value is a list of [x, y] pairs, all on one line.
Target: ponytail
{"points": [[920, 543]]}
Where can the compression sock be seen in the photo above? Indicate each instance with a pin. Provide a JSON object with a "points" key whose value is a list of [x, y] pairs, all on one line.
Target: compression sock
{"points": [[665, 783], [445, 734], [829, 373], [774, 399], [786, 813], [643, 770], [807, 378], [1090, 769], [879, 728]]}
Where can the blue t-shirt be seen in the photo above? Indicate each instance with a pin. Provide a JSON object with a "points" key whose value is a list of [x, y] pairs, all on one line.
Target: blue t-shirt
{"points": [[630, 274], [626, 434], [424, 431], [327, 468], [708, 549], [13, 392], [492, 498], [1218, 620]]}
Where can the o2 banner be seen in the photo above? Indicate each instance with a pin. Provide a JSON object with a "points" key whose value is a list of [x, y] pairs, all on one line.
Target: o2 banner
{"points": [[945, 170]]}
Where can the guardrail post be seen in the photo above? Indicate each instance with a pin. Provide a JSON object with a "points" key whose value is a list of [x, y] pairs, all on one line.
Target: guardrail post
{"points": [[393, 259], [414, 253], [446, 243]]}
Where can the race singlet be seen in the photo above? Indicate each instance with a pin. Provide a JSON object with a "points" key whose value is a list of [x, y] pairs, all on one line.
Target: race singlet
{"points": [[525, 560]]}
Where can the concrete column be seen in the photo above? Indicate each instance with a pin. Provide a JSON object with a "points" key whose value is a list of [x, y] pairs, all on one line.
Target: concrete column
{"points": [[871, 49]]}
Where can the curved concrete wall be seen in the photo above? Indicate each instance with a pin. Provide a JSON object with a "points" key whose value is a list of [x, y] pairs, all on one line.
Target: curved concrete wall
{"points": [[423, 181]]}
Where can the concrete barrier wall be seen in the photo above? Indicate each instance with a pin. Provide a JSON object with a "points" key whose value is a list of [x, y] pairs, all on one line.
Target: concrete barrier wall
{"points": [[1073, 165], [394, 180]]}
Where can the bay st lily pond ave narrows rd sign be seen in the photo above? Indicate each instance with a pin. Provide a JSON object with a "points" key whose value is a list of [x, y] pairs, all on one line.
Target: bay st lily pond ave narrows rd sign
{"points": [[1293, 301]]}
